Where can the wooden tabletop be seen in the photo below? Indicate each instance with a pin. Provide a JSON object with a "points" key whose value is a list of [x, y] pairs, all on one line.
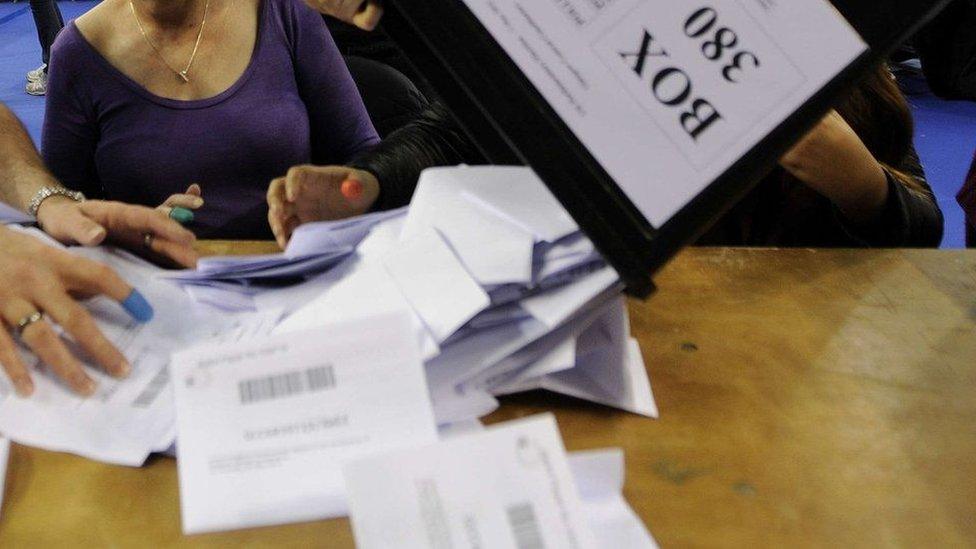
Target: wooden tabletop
{"points": [[807, 397]]}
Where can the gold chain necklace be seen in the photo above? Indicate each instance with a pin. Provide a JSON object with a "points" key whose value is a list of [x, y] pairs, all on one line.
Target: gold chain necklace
{"points": [[183, 73]]}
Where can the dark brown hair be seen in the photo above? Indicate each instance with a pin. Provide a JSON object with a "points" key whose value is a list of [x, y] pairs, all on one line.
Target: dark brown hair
{"points": [[878, 112]]}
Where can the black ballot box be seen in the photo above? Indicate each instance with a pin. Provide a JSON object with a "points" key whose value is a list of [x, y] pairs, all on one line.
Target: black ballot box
{"points": [[647, 119]]}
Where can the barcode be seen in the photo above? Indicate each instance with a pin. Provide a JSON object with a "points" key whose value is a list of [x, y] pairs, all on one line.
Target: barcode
{"points": [[525, 527], [156, 385], [287, 384]]}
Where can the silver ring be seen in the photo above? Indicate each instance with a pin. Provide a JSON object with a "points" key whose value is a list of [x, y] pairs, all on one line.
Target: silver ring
{"points": [[147, 240], [28, 320]]}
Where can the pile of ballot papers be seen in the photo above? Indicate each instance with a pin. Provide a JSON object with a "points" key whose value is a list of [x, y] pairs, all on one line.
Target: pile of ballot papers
{"points": [[504, 293], [381, 338], [508, 295]]}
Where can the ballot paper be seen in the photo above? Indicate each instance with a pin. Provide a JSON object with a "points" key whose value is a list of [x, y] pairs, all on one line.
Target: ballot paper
{"points": [[265, 426], [125, 420], [436, 283], [4, 459], [514, 194], [599, 476], [314, 248], [605, 366], [10, 215], [509, 486], [358, 289]]}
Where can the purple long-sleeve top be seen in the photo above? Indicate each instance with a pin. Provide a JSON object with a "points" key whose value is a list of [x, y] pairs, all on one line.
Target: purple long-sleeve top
{"points": [[109, 137]]}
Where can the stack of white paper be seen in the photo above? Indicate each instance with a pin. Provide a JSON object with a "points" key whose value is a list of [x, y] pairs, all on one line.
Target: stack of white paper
{"points": [[509, 486], [125, 420], [507, 294], [230, 283], [502, 292]]}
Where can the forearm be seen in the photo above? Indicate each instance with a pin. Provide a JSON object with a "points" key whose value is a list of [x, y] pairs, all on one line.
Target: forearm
{"points": [[862, 199], [433, 139], [909, 217], [22, 173]]}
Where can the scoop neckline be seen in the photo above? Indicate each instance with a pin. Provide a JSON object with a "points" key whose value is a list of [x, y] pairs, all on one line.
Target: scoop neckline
{"points": [[181, 103]]}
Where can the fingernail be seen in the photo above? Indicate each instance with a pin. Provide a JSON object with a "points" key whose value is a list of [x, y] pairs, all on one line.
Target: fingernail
{"points": [[197, 202], [352, 189], [96, 235], [24, 387], [137, 306], [87, 387], [182, 216], [124, 369]]}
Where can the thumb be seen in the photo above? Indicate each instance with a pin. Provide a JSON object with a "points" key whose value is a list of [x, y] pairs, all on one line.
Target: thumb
{"points": [[195, 190], [368, 16], [79, 228]]}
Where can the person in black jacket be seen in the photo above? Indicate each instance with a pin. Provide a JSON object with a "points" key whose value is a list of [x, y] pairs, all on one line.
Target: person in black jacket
{"points": [[947, 50], [853, 181], [967, 199]]}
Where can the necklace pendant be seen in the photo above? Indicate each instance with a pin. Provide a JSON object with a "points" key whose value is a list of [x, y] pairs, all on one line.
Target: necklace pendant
{"points": [[185, 78]]}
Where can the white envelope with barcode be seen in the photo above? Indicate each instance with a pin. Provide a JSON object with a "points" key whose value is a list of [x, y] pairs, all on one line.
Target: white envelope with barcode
{"points": [[509, 486], [264, 427]]}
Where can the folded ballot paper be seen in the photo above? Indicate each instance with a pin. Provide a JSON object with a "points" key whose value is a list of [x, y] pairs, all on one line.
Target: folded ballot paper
{"points": [[4, 458], [509, 486], [10, 215], [230, 282], [506, 293]]}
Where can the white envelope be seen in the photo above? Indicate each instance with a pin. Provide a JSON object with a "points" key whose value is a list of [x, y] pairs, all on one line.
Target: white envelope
{"points": [[265, 426], [508, 486]]}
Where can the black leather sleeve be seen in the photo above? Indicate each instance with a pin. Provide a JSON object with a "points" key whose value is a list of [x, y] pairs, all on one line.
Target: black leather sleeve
{"points": [[433, 138], [911, 217]]}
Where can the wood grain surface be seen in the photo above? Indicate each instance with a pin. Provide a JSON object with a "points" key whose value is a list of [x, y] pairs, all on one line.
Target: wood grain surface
{"points": [[807, 397]]}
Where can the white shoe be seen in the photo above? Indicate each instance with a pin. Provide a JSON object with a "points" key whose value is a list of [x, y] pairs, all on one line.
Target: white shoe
{"points": [[36, 74], [39, 87]]}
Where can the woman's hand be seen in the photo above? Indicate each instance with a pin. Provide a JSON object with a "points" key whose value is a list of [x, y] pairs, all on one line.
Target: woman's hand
{"points": [[35, 280], [179, 207], [93, 222], [318, 193], [834, 161], [365, 14]]}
